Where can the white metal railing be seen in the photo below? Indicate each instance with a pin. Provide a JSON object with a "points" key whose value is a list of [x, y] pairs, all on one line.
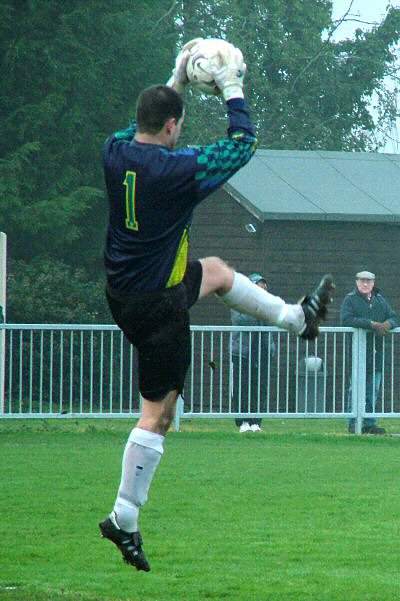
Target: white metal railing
{"points": [[59, 370]]}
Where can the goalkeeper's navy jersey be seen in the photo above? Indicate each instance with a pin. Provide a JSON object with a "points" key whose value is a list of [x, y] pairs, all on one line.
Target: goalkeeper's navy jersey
{"points": [[152, 192]]}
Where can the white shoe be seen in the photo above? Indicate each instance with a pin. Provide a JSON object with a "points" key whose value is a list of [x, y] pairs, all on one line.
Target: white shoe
{"points": [[255, 428], [245, 427]]}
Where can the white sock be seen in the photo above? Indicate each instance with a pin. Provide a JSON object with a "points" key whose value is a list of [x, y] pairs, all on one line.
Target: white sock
{"points": [[142, 455], [247, 297]]}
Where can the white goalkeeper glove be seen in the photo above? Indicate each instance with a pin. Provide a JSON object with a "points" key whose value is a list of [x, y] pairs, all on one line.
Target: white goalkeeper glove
{"points": [[179, 79], [229, 76]]}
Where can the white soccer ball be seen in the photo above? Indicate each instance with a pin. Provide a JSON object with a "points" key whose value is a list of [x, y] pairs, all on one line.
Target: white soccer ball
{"points": [[203, 57]]}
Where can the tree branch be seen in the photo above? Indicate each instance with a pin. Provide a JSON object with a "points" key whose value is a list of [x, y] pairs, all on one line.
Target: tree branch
{"points": [[323, 46], [169, 11]]}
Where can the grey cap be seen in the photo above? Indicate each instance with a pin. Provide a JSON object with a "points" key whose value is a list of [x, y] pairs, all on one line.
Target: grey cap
{"points": [[257, 277], [365, 275]]}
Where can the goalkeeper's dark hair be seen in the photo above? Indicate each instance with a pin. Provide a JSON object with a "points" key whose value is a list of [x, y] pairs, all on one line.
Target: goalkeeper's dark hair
{"points": [[155, 106]]}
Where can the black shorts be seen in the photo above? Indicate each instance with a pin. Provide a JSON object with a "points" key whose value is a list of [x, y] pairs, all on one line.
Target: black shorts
{"points": [[157, 323]]}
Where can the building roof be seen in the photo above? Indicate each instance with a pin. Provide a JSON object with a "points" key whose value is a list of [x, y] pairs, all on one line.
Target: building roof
{"points": [[319, 185]]}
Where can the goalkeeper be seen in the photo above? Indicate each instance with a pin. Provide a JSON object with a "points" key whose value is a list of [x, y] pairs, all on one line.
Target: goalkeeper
{"points": [[152, 191]]}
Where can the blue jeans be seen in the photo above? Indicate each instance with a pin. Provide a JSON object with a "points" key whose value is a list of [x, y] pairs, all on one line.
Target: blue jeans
{"points": [[372, 387]]}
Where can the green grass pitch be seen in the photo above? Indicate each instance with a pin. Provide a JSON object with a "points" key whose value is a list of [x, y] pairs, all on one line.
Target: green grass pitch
{"points": [[300, 512]]}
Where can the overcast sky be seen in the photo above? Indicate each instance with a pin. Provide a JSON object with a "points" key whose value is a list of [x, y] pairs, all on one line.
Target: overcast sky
{"points": [[372, 11], [369, 12]]}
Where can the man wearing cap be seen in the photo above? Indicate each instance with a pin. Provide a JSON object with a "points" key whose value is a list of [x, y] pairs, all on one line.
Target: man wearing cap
{"points": [[251, 360], [365, 307]]}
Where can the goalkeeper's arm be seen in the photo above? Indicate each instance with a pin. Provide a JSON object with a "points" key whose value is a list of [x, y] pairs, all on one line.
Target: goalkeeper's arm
{"points": [[217, 162]]}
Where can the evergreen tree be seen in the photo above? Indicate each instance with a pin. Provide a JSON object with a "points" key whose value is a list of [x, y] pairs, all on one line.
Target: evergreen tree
{"points": [[70, 75]]}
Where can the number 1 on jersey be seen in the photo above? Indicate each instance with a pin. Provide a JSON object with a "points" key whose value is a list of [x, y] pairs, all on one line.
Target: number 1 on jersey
{"points": [[130, 183]]}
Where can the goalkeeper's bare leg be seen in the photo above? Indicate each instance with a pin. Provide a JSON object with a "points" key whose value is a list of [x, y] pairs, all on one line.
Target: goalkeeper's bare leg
{"points": [[239, 293]]}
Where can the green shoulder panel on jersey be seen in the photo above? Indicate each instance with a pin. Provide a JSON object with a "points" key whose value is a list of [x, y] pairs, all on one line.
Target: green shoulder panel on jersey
{"points": [[126, 135], [221, 160]]}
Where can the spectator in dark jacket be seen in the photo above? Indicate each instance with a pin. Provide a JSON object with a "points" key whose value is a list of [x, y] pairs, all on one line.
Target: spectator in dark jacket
{"points": [[366, 308], [251, 356]]}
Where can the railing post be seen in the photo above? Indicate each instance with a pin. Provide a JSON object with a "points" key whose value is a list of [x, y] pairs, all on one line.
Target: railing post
{"points": [[358, 379], [362, 360], [3, 288]]}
